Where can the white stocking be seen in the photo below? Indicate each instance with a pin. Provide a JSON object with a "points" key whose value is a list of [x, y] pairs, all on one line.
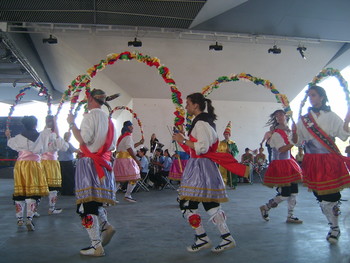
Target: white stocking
{"points": [[20, 205], [217, 216], [31, 206], [331, 211], [90, 222], [292, 201], [52, 199], [129, 189]]}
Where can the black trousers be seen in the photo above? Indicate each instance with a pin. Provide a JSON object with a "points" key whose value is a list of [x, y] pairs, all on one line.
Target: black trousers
{"points": [[89, 208], [68, 174], [328, 198], [288, 190], [194, 205]]}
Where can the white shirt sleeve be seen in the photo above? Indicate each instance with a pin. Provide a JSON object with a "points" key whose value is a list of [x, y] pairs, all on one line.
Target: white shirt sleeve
{"points": [[276, 141], [205, 135], [338, 127], [58, 144], [128, 142], [86, 130], [19, 143], [329, 122], [41, 145]]}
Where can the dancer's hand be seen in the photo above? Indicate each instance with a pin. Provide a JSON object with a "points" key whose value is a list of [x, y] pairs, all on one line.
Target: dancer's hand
{"points": [[70, 118], [178, 137]]}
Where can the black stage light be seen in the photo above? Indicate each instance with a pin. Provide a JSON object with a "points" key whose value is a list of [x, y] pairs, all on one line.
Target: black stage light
{"points": [[135, 43], [216, 47], [301, 51], [274, 50], [50, 40]]}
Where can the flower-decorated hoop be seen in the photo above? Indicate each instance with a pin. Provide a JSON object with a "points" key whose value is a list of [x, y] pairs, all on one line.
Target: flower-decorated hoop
{"points": [[84, 81], [134, 116], [42, 92], [281, 98], [73, 92], [327, 72]]}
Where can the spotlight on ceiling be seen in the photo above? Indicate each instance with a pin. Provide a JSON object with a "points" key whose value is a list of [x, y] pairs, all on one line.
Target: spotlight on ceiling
{"points": [[135, 43], [302, 50], [274, 50], [216, 47], [50, 40]]}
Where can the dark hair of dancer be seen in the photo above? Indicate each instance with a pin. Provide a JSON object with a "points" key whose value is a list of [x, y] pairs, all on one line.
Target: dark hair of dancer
{"points": [[126, 125], [272, 121], [198, 98], [101, 98], [29, 122], [322, 93], [30, 132]]}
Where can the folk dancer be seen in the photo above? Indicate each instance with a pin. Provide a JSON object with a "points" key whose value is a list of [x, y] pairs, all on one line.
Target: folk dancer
{"points": [[325, 170], [29, 182], [126, 166], [94, 179], [50, 163], [201, 181], [283, 171]]}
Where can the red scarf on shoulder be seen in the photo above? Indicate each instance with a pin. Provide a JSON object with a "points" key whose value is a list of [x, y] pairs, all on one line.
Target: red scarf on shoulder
{"points": [[320, 135]]}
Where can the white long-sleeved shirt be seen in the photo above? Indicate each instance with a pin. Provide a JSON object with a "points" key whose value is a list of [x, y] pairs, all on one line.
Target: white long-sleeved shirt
{"points": [[276, 142], [329, 122], [48, 141], [126, 143], [94, 128], [206, 136], [20, 143]]}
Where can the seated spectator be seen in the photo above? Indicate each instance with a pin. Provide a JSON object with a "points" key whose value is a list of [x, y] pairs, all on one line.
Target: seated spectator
{"points": [[260, 158], [144, 162], [157, 165], [247, 157], [166, 163], [248, 160]]}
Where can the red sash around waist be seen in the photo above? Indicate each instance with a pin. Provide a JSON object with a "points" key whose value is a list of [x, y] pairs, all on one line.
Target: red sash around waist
{"points": [[226, 160], [103, 155]]}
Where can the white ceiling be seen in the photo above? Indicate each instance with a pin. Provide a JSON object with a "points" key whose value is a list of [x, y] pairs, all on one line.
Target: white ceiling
{"points": [[192, 65]]}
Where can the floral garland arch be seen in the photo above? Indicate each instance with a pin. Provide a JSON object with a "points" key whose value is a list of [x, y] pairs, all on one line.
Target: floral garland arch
{"points": [[328, 72], [42, 92], [133, 114], [281, 98], [84, 81]]}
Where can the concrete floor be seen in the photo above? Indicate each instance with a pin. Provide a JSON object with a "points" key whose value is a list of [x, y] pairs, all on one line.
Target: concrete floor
{"points": [[153, 230]]}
